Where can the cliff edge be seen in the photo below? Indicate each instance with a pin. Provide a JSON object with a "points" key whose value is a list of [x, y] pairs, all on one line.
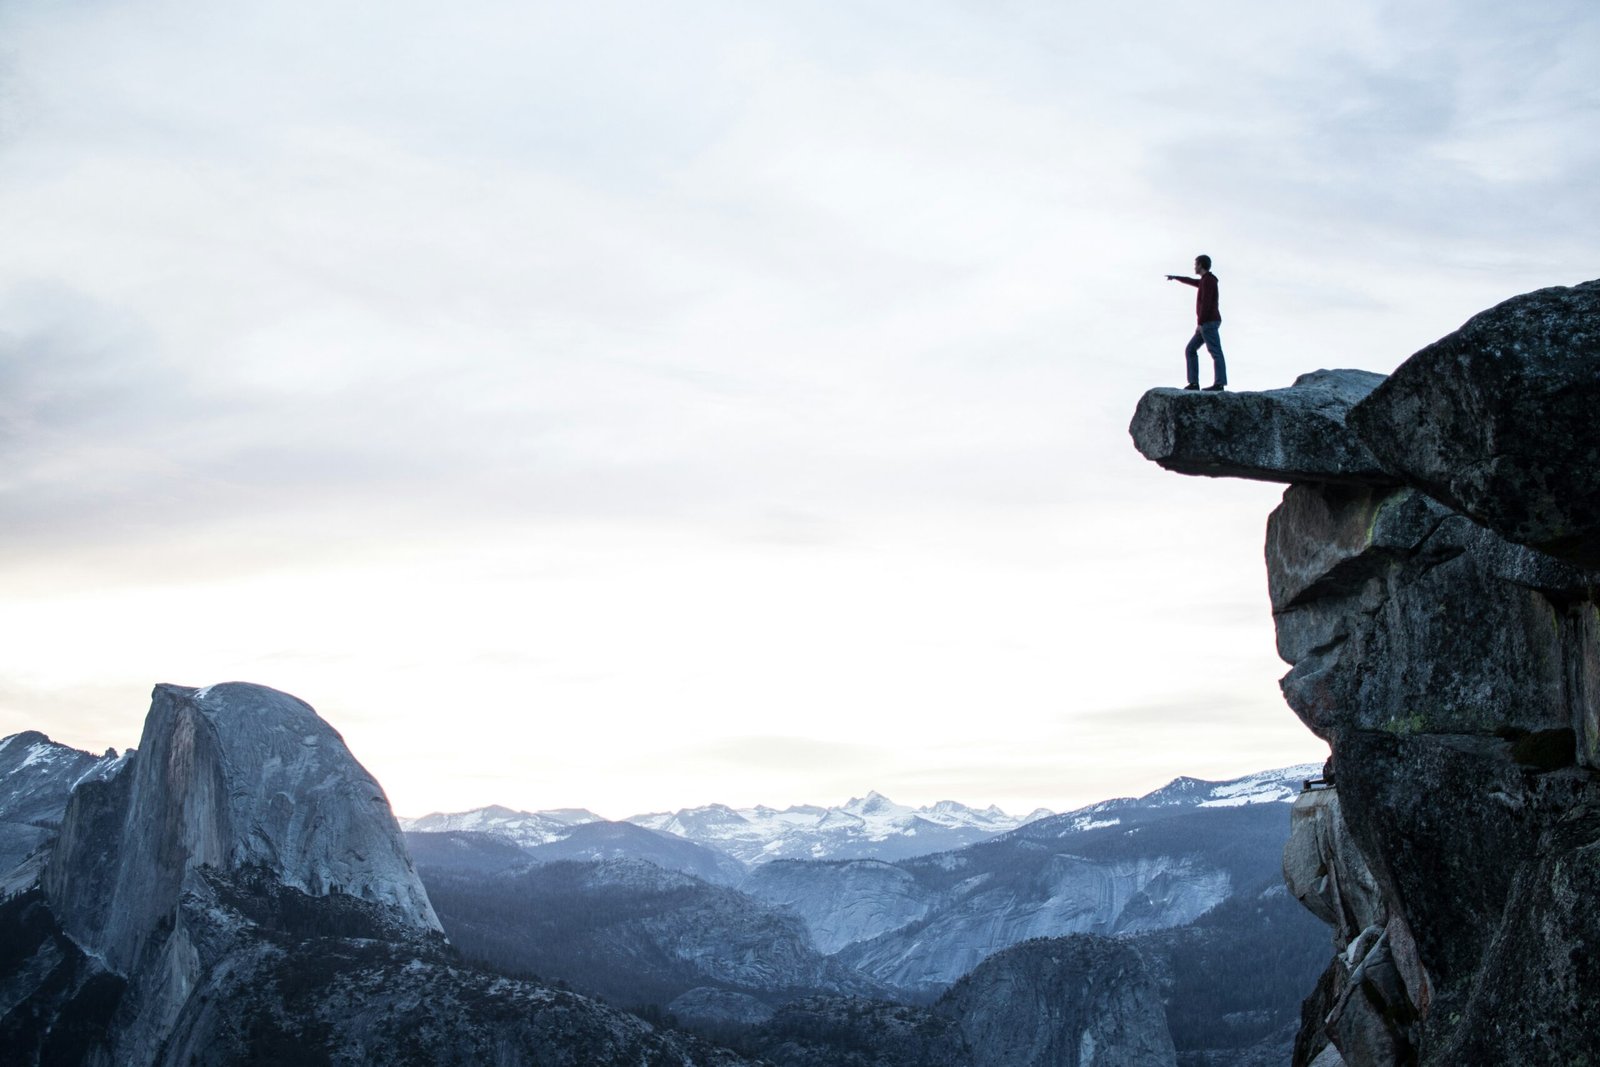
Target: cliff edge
{"points": [[1432, 573]]}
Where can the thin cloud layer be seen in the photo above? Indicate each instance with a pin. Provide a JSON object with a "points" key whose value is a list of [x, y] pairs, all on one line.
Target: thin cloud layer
{"points": [[521, 344]]}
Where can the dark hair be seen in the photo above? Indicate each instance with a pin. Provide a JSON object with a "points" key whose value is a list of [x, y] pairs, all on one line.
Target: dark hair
{"points": [[1204, 261]]}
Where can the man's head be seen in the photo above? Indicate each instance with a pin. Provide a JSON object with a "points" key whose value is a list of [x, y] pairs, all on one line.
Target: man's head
{"points": [[1202, 264]]}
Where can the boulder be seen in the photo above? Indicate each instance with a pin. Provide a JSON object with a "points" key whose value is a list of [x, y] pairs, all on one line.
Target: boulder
{"points": [[1497, 420], [1296, 434]]}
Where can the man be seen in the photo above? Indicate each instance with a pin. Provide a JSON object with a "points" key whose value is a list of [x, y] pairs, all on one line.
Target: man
{"points": [[1208, 331]]}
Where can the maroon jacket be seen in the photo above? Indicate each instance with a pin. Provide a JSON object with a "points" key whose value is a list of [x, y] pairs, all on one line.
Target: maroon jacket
{"points": [[1205, 301]]}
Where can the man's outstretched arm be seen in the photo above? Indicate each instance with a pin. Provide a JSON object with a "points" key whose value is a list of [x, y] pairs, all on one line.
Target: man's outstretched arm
{"points": [[1186, 281]]}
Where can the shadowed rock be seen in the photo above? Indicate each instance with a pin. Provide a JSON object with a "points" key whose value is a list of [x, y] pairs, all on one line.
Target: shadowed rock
{"points": [[1327, 872], [1443, 627], [1400, 615], [1081, 1001], [1498, 420], [1296, 434]]}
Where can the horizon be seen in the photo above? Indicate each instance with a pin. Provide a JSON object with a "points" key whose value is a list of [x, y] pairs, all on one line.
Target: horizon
{"points": [[721, 403], [853, 798], [869, 793]]}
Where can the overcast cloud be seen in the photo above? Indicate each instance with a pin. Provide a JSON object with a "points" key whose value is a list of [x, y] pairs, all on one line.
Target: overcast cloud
{"points": [[623, 387]]}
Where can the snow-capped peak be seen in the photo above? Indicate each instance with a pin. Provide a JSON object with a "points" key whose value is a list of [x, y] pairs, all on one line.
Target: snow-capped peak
{"points": [[525, 828]]}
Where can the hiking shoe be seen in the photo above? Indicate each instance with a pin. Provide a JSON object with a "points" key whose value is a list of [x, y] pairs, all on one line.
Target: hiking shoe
{"points": [[1214, 388], [1192, 385]]}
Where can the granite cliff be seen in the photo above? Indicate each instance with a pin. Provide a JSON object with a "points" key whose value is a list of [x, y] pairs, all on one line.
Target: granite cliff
{"points": [[1432, 573], [238, 891]]}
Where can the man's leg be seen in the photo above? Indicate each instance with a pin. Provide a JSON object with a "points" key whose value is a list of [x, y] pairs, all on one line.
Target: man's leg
{"points": [[1191, 358], [1212, 332]]}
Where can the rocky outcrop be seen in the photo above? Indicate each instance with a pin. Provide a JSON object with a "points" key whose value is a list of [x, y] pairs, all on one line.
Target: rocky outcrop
{"points": [[1080, 1001], [238, 892], [1443, 634], [1281, 435], [1375, 979], [229, 777]]}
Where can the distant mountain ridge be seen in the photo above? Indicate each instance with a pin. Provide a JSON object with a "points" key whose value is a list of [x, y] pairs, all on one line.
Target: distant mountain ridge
{"points": [[525, 828], [1192, 870], [303, 897], [1278, 786], [37, 775], [870, 827]]}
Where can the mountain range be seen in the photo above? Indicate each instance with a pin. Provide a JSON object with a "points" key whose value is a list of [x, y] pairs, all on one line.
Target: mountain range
{"points": [[1190, 873], [240, 882], [872, 826]]}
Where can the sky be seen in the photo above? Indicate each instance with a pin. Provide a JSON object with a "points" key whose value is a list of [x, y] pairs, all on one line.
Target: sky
{"points": [[642, 405]]}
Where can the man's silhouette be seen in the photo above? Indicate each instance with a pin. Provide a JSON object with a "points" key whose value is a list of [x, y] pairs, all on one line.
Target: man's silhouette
{"points": [[1208, 330]]}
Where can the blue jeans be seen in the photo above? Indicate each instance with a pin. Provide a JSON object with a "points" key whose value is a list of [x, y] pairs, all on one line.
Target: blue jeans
{"points": [[1207, 333]]}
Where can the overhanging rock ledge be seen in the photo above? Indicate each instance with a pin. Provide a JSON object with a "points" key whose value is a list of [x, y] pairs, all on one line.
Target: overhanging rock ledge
{"points": [[1433, 574]]}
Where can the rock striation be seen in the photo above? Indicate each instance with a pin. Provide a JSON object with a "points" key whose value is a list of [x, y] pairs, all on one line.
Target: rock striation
{"points": [[1438, 610]]}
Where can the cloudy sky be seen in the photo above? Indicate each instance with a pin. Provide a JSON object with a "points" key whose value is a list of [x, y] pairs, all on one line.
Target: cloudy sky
{"points": [[637, 405]]}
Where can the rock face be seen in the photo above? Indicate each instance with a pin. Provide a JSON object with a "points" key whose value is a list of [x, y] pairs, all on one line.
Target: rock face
{"points": [[845, 902], [1005, 905], [1444, 638], [1499, 419], [230, 777], [238, 892], [1062, 1002]]}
